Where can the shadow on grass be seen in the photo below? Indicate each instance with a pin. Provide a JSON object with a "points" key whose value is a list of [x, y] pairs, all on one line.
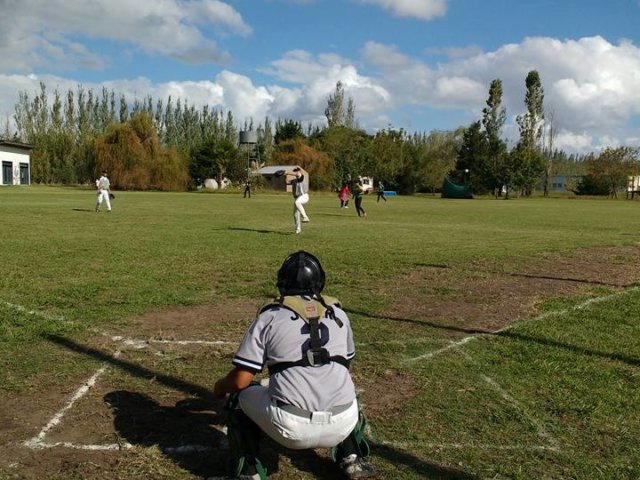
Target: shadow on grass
{"points": [[548, 342], [324, 468], [83, 210], [255, 230], [528, 275], [426, 469], [184, 432], [334, 215], [633, 361], [425, 323], [133, 369]]}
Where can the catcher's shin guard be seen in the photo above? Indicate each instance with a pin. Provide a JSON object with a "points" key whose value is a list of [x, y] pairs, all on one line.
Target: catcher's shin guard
{"points": [[354, 443], [244, 442]]}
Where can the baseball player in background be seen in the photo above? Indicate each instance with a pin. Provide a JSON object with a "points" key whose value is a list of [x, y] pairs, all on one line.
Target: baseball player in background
{"points": [[309, 400], [300, 196], [104, 190]]}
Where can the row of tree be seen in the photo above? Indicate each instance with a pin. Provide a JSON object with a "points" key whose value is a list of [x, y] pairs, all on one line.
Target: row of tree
{"points": [[144, 143], [173, 145], [534, 160]]}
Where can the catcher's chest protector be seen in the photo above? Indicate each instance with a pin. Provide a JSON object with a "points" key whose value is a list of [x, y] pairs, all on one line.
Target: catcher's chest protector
{"points": [[311, 311], [307, 309]]}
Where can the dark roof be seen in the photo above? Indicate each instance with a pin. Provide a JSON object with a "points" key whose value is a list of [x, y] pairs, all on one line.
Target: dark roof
{"points": [[10, 143]]}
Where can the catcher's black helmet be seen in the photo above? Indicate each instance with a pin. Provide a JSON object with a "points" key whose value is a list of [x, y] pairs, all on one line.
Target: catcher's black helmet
{"points": [[301, 274]]}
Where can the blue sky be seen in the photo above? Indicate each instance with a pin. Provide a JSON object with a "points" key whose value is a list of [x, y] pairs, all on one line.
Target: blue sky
{"points": [[420, 65]]}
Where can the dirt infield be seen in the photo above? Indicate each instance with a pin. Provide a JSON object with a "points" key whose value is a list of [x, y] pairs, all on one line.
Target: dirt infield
{"points": [[148, 414]]}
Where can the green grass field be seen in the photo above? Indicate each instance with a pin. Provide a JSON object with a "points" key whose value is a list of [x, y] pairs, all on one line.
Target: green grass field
{"points": [[553, 395]]}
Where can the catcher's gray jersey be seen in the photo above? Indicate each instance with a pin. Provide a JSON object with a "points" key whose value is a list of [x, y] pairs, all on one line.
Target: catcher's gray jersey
{"points": [[279, 335]]}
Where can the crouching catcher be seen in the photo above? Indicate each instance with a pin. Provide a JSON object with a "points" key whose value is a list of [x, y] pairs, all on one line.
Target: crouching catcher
{"points": [[309, 401]]}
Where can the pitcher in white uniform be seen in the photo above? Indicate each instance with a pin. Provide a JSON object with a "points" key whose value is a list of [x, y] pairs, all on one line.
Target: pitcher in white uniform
{"points": [[300, 191]]}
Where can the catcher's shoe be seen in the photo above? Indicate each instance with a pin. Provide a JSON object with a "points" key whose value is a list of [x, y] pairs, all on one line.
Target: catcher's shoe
{"points": [[355, 467], [249, 472]]}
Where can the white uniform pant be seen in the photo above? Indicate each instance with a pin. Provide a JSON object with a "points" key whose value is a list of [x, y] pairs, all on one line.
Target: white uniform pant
{"points": [[298, 210], [103, 195], [322, 430]]}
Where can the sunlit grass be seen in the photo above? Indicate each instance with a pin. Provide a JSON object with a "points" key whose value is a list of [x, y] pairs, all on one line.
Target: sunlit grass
{"points": [[555, 398]]}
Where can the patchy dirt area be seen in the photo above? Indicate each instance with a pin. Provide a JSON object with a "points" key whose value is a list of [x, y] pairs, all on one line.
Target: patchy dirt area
{"points": [[148, 415], [485, 296]]}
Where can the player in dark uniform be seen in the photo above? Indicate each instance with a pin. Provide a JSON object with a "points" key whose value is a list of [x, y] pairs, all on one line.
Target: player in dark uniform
{"points": [[306, 342]]}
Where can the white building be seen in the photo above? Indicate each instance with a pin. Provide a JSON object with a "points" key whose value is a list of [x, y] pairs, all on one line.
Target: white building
{"points": [[15, 163], [367, 184]]}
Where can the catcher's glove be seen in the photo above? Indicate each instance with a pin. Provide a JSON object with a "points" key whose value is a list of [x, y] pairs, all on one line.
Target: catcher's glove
{"points": [[279, 173], [111, 196]]}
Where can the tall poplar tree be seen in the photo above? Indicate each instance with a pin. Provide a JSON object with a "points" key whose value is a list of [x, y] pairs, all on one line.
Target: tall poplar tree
{"points": [[335, 107], [493, 118], [527, 157]]}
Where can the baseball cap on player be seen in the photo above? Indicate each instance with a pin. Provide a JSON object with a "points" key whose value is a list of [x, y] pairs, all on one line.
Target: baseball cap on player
{"points": [[301, 274]]}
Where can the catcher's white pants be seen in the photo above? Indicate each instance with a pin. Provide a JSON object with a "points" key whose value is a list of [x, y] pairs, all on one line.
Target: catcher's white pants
{"points": [[322, 430], [103, 194], [298, 210]]}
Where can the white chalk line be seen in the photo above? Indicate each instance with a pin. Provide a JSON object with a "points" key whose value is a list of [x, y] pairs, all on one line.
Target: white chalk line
{"points": [[38, 441], [405, 342], [543, 316], [139, 343], [179, 450], [144, 343], [46, 316], [539, 426], [541, 430], [434, 353], [80, 446]]}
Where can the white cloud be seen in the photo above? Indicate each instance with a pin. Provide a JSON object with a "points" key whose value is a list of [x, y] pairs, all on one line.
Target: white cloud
{"points": [[39, 32], [386, 57], [570, 141], [317, 77], [591, 84], [411, 81], [214, 12], [421, 9], [241, 96], [455, 53]]}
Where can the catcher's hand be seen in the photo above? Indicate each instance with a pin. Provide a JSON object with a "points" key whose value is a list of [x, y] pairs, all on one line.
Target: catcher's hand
{"points": [[279, 173], [111, 196]]}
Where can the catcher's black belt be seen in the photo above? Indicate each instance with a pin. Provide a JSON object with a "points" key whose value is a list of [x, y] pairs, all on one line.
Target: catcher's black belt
{"points": [[300, 412]]}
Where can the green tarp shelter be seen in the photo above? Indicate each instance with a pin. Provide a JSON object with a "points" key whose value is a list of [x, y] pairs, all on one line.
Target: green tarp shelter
{"points": [[453, 190]]}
